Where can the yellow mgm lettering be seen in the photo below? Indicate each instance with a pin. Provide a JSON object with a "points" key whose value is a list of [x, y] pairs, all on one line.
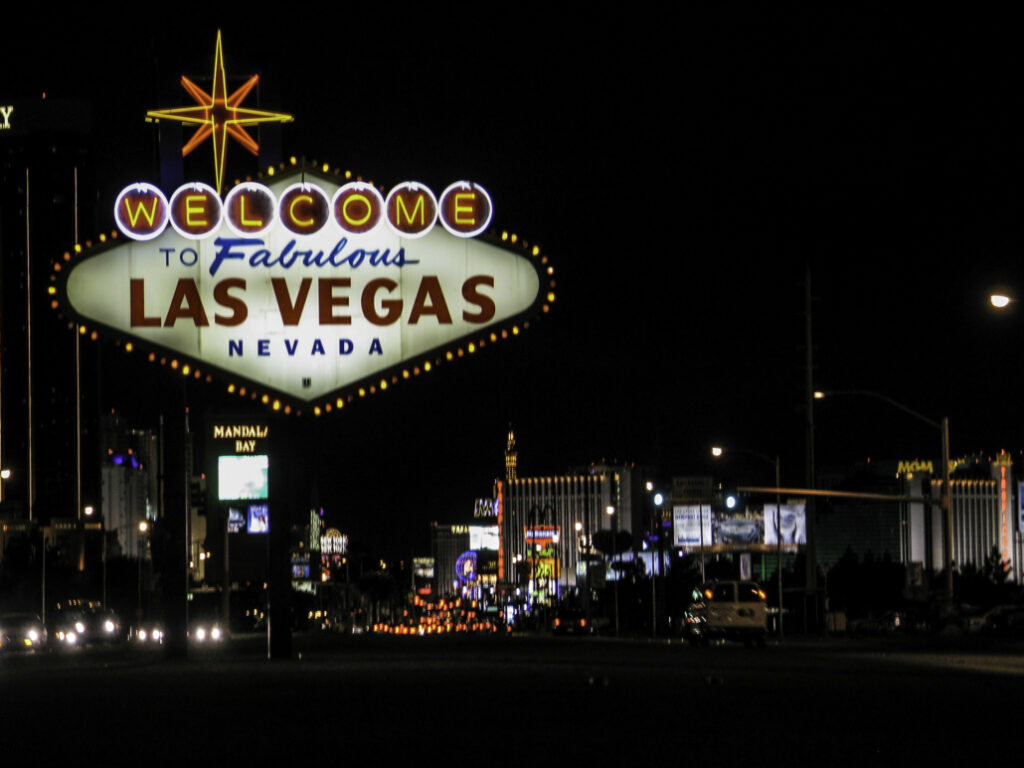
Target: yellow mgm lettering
{"points": [[908, 467]]}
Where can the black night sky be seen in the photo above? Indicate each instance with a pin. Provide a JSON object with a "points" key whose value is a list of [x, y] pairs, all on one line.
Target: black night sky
{"points": [[684, 176]]}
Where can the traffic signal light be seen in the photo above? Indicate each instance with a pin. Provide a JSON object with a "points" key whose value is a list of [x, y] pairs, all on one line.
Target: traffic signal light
{"points": [[197, 494]]}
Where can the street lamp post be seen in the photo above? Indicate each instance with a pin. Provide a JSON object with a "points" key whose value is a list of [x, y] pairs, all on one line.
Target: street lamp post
{"points": [[718, 452], [143, 529], [945, 503], [89, 510], [658, 500], [610, 510]]}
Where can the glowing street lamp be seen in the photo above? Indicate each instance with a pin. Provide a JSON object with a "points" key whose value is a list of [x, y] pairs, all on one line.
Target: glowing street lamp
{"points": [[143, 530], [610, 511], [1000, 300], [944, 500], [717, 451]]}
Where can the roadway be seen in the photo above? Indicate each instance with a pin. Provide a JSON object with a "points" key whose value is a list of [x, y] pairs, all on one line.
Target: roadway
{"points": [[517, 700]]}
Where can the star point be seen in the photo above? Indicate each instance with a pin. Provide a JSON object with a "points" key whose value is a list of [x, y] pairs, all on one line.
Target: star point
{"points": [[219, 115]]}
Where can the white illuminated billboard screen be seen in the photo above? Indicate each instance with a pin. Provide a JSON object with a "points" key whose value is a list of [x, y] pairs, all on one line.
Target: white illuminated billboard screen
{"points": [[242, 477], [258, 519], [483, 537]]}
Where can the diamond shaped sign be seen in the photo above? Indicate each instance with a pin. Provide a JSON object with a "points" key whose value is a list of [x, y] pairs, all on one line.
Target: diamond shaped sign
{"points": [[302, 288]]}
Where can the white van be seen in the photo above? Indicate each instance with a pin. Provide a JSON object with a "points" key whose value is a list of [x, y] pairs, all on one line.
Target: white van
{"points": [[727, 610]]}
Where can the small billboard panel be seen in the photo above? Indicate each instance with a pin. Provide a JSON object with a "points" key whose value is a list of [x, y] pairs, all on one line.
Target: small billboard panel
{"points": [[793, 524], [258, 516], [691, 525]]}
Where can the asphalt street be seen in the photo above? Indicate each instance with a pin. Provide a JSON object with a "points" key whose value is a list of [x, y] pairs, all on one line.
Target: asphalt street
{"points": [[516, 700]]}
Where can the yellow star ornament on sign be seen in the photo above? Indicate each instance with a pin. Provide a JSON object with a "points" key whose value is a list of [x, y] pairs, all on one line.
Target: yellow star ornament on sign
{"points": [[219, 115]]}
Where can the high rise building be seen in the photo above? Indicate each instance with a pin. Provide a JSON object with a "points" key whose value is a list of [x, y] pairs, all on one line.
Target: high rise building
{"points": [[45, 168], [548, 525]]}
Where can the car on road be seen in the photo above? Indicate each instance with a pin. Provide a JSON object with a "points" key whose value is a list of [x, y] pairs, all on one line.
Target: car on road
{"points": [[21, 632], [727, 610], [148, 633], [887, 623], [1004, 621], [205, 630], [89, 626], [571, 621]]}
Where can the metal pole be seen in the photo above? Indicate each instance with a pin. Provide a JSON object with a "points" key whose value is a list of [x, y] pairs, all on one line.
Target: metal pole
{"points": [[42, 609], [78, 384], [700, 525], [654, 604], [947, 507], [943, 426], [811, 548], [28, 341], [138, 605], [778, 540], [103, 529], [615, 547]]}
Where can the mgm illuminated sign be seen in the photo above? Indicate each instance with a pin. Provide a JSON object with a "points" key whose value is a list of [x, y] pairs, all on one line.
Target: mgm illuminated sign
{"points": [[305, 289]]}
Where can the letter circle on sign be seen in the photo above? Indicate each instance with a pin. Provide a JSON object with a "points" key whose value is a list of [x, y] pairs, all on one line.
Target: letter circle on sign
{"points": [[411, 209], [358, 207], [304, 208], [141, 211], [196, 210], [250, 209], [465, 209]]}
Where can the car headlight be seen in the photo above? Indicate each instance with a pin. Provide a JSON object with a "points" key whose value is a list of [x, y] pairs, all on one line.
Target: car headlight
{"points": [[215, 633], [109, 627], [79, 627], [200, 634], [33, 636]]}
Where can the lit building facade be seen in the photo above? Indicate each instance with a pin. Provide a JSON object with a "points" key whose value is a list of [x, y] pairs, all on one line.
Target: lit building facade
{"points": [[447, 545], [986, 514], [46, 167], [547, 525], [128, 483]]}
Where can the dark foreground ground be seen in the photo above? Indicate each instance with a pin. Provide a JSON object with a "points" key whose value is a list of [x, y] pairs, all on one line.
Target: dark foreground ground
{"points": [[516, 701]]}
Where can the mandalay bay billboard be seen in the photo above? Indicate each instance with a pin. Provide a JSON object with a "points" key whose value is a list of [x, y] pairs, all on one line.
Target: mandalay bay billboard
{"points": [[304, 285]]}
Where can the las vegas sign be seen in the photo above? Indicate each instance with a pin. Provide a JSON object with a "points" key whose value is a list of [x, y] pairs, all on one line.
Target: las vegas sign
{"points": [[303, 289]]}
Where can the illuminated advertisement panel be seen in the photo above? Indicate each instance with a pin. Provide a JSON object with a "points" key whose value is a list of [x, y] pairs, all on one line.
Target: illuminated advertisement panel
{"points": [[740, 529], [755, 529], [793, 524], [483, 537], [258, 518], [465, 567], [242, 477], [542, 558], [691, 526], [236, 520], [423, 567], [278, 286]]}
